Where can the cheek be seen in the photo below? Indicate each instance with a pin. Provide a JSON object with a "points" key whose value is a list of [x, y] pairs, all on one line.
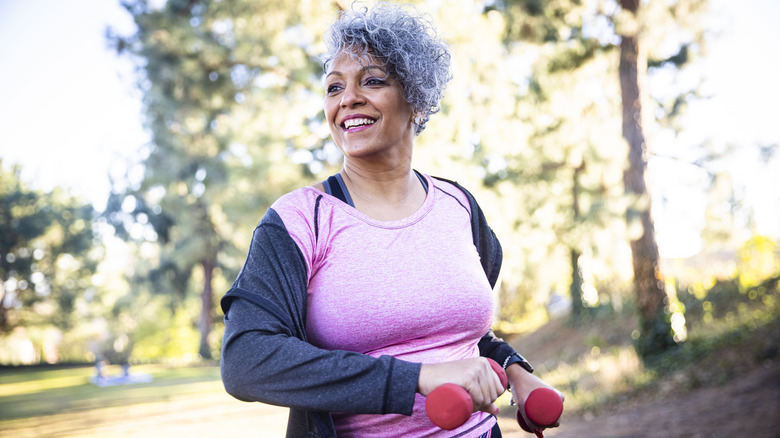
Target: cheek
{"points": [[327, 106], [403, 108], [330, 111]]}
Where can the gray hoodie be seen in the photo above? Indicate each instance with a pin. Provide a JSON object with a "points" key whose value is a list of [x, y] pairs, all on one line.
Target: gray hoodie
{"points": [[266, 357]]}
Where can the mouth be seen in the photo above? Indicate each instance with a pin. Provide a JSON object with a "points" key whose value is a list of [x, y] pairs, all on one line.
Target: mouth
{"points": [[357, 123]]}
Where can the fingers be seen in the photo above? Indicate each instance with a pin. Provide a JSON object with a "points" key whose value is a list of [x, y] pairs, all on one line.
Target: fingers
{"points": [[490, 409], [474, 375], [484, 386]]}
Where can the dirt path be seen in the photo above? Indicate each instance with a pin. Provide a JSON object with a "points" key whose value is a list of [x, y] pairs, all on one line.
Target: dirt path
{"points": [[748, 407], [744, 408]]}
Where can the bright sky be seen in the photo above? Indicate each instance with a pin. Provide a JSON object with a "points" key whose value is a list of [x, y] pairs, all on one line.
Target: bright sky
{"points": [[68, 109], [70, 116], [741, 74]]}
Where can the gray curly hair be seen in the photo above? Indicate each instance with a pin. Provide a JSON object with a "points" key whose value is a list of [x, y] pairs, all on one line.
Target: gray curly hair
{"points": [[405, 41]]}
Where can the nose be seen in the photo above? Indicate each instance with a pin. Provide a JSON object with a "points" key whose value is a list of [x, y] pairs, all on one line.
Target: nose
{"points": [[352, 96]]}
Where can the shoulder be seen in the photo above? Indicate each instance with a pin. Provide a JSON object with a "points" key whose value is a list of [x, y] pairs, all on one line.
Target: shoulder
{"points": [[296, 213], [456, 191], [297, 210], [297, 202]]}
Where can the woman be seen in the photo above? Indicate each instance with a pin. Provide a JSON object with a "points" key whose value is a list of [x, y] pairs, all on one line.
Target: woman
{"points": [[362, 294]]}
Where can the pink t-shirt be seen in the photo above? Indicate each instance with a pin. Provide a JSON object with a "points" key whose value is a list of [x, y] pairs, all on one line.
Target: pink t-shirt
{"points": [[411, 288]]}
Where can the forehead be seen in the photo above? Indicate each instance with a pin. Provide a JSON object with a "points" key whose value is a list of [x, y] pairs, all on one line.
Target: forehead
{"points": [[354, 60]]}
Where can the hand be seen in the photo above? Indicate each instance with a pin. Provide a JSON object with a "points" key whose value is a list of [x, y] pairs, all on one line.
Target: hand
{"points": [[522, 383], [474, 375]]}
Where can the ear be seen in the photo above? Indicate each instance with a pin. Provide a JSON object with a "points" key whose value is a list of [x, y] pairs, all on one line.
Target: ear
{"points": [[417, 118]]}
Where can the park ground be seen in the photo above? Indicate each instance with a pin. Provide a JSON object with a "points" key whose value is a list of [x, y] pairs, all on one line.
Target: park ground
{"points": [[728, 386], [729, 389]]}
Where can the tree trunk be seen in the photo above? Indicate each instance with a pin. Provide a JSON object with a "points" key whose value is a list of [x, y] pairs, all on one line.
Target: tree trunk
{"points": [[206, 315], [656, 332], [575, 289], [4, 325]]}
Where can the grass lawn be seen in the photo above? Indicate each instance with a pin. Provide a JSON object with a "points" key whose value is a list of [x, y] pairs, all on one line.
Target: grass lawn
{"points": [[182, 401], [734, 337]]}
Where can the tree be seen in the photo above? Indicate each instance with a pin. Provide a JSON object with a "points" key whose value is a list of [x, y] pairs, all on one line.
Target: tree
{"points": [[224, 87], [48, 254], [638, 27], [648, 280], [569, 165], [572, 38]]}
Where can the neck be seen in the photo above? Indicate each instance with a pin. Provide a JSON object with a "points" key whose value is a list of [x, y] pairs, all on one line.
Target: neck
{"points": [[385, 194]]}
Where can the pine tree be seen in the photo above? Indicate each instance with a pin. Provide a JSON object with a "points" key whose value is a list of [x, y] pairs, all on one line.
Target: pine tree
{"points": [[227, 90], [576, 36], [648, 280]]}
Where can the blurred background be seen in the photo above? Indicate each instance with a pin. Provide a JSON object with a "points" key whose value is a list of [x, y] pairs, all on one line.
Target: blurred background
{"points": [[624, 151]]}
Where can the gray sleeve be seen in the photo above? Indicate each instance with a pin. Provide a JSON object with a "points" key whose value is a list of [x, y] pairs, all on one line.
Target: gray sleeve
{"points": [[265, 356]]}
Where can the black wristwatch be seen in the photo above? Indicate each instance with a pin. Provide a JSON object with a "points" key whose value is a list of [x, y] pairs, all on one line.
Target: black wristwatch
{"points": [[520, 360]]}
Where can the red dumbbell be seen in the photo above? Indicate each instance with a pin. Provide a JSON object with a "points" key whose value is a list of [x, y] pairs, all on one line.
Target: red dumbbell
{"points": [[543, 407], [449, 405]]}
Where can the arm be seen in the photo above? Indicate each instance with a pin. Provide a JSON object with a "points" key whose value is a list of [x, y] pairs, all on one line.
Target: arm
{"points": [[495, 348], [265, 356]]}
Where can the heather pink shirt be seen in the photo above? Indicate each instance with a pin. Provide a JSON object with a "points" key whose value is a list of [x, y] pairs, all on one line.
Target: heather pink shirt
{"points": [[412, 288]]}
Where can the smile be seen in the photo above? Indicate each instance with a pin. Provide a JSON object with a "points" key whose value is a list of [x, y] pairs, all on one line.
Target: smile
{"points": [[357, 123]]}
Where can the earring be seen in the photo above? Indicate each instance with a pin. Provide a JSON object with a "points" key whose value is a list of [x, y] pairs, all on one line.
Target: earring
{"points": [[417, 120]]}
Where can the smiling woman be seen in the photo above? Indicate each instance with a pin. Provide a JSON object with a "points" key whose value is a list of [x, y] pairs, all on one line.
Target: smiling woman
{"points": [[368, 116], [409, 51], [363, 294]]}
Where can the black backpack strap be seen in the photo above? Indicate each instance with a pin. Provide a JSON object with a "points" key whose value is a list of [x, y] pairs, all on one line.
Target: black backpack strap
{"points": [[317, 218], [422, 180], [335, 186]]}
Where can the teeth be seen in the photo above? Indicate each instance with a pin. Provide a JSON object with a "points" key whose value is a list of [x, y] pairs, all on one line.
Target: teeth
{"points": [[351, 123]]}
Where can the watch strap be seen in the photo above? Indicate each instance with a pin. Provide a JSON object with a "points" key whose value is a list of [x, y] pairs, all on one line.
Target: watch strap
{"points": [[520, 360]]}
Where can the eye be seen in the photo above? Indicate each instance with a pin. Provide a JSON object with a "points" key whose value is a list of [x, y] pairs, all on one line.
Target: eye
{"points": [[333, 88], [375, 81]]}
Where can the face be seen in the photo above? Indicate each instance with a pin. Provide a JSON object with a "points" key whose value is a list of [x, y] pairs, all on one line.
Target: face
{"points": [[366, 111]]}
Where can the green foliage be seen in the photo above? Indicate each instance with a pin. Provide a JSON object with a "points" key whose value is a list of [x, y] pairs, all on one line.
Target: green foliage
{"points": [[731, 328], [48, 254], [542, 21], [736, 344], [666, 330], [577, 155], [757, 259], [233, 102], [163, 334], [565, 162], [657, 338], [220, 82], [597, 366]]}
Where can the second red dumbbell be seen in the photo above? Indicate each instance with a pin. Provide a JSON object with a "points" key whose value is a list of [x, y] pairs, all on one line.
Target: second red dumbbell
{"points": [[543, 407]]}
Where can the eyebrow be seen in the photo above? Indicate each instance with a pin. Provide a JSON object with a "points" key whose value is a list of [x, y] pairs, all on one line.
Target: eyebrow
{"points": [[366, 68]]}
